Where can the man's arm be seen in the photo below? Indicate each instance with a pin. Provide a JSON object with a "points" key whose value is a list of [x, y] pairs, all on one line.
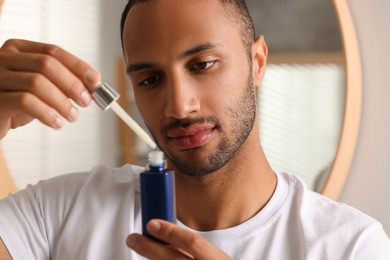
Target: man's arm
{"points": [[4, 253]]}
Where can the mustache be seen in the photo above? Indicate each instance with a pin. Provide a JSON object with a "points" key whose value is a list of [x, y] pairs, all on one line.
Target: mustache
{"points": [[186, 122]]}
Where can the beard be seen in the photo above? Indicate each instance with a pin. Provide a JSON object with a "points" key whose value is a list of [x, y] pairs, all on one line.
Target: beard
{"points": [[242, 112]]}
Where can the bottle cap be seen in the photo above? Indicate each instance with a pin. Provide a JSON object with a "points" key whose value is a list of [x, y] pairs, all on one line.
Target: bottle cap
{"points": [[156, 158], [104, 95]]}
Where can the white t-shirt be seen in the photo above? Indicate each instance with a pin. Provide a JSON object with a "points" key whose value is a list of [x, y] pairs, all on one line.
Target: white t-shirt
{"points": [[89, 215]]}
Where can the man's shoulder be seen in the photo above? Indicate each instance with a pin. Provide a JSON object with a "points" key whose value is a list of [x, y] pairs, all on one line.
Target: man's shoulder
{"points": [[95, 184], [313, 205], [327, 227], [321, 217], [101, 177], [104, 200]]}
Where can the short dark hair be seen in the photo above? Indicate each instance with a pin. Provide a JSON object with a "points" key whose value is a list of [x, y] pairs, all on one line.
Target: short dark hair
{"points": [[237, 9]]}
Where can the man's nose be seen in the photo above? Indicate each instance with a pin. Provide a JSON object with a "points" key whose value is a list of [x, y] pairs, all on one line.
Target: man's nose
{"points": [[182, 97]]}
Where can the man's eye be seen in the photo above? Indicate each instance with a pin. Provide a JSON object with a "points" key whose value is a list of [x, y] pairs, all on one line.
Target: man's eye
{"points": [[150, 81], [202, 65]]}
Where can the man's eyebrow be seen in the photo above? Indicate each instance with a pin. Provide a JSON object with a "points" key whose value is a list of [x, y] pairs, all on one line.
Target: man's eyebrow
{"points": [[192, 51], [199, 48], [139, 66]]}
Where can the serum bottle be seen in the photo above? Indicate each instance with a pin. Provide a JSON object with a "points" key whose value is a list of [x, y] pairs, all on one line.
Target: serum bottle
{"points": [[157, 192]]}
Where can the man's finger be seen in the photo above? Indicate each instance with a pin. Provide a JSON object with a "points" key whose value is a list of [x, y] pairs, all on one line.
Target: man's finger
{"points": [[81, 69], [40, 87], [49, 67], [28, 104], [152, 249], [192, 243]]}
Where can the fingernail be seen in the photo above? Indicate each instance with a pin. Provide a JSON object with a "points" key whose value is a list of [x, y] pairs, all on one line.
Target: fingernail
{"points": [[85, 98], [92, 76], [154, 226], [59, 123], [74, 114], [131, 241]]}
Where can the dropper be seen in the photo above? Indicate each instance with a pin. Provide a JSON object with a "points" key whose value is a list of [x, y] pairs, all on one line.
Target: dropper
{"points": [[105, 97]]}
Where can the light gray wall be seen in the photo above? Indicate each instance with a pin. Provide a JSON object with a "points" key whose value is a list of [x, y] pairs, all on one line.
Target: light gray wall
{"points": [[368, 186]]}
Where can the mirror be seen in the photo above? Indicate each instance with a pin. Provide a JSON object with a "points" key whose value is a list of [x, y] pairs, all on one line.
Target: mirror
{"points": [[306, 99]]}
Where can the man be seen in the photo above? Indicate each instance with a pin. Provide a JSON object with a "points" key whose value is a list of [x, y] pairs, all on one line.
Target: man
{"points": [[195, 66]]}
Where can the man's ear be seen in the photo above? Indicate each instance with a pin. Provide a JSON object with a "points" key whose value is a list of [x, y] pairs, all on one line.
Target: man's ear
{"points": [[259, 59]]}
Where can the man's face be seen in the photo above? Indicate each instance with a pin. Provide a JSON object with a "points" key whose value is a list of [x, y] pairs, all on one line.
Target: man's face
{"points": [[192, 81]]}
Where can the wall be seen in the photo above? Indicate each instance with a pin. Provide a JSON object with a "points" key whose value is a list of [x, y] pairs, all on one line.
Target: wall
{"points": [[367, 187]]}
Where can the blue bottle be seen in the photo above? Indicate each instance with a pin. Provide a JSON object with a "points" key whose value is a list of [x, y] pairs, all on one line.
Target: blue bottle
{"points": [[157, 192]]}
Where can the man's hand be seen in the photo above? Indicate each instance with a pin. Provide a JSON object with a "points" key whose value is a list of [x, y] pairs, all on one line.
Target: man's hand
{"points": [[183, 244], [37, 80]]}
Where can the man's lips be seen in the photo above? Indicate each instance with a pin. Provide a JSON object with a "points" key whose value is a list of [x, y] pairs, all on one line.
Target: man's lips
{"points": [[192, 136]]}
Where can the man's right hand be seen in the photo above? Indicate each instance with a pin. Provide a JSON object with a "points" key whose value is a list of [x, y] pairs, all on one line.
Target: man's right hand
{"points": [[37, 80]]}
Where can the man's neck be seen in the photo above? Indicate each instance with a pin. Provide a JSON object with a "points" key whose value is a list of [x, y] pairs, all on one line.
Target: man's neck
{"points": [[229, 196]]}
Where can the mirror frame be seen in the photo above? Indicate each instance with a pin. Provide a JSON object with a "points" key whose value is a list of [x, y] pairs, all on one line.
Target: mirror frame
{"points": [[352, 106]]}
